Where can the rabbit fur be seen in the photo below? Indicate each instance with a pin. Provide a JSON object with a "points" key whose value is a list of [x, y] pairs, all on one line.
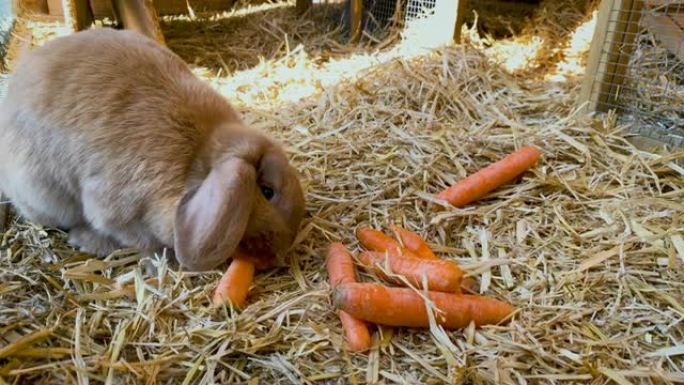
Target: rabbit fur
{"points": [[109, 135]]}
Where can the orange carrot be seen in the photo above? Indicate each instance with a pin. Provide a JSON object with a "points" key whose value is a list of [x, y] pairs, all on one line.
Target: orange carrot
{"points": [[340, 271], [235, 282], [376, 240], [489, 178], [414, 242], [396, 306], [441, 275], [469, 284]]}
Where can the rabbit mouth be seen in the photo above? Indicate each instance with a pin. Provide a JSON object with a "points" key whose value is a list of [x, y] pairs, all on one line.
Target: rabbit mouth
{"points": [[259, 246]]}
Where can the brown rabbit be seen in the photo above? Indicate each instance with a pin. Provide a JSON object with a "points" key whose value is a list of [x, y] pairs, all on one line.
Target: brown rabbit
{"points": [[109, 135]]}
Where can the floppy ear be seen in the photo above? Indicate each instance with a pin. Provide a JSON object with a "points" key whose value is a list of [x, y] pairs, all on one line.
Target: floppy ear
{"points": [[211, 220]]}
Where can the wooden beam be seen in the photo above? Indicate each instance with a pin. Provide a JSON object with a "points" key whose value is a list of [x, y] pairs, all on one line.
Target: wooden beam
{"points": [[139, 16], [4, 212], [460, 16], [616, 28], [77, 14], [356, 20], [31, 6]]}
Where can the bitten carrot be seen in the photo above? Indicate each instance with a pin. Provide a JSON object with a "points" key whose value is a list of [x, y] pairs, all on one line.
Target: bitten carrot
{"points": [[340, 271], [234, 284], [441, 275], [414, 242], [469, 284], [489, 178], [394, 306], [376, 240]]}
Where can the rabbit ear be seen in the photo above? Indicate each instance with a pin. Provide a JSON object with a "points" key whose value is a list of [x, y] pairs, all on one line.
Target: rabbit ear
{"points": [[211, 221]]}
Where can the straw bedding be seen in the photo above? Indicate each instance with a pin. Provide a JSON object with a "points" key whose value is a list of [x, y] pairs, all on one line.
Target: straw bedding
{"points": [[588, 246]]}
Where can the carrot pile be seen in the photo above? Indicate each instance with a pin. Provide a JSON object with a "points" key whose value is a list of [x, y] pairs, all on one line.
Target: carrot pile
{"points": [[408, 260]]}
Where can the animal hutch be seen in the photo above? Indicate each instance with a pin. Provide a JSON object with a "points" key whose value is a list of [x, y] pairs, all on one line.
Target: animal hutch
{"points": [[636, 67], [365, 16]]}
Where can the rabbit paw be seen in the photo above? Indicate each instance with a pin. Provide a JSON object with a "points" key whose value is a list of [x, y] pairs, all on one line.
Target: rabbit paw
{"points": [[90, 241]]}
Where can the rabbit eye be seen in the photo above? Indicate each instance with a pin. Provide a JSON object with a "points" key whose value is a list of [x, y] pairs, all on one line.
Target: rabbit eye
{"points": [[268, 192]]}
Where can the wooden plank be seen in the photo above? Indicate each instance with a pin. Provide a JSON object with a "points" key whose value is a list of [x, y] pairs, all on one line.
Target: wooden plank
{"points": [[4, 212], [176, 7], [460, 16], [616, 28], [139, 16], [77, 14], [55, 7], [103, 8], [667, 32], [32, 6], [356, 18], [595, 54]]}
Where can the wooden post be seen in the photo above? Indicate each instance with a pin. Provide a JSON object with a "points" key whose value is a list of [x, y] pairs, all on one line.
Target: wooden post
{"points": [[77, 14], [460, 15], [31, 6], [4, 212], [356, 20], [609, 54], [139, 16]]}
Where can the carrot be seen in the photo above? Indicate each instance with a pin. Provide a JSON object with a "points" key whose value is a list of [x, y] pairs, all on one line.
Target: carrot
{"points": [[376, 240], [489, 178], [340, 271], [235, 282], [414, 242], [469, 284], [395, 306], [441, 275]]}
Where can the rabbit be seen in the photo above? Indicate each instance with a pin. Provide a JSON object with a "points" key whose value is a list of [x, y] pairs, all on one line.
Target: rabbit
{"points": [[108, 135]]}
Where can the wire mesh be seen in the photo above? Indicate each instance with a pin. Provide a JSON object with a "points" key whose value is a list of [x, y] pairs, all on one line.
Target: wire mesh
{"points": [[378, 16], [641, 71], [418, 9]]}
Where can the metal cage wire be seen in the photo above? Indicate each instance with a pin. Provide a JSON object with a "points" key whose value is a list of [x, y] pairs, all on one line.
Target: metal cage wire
{"points": [[380, 13], [641, 70]]}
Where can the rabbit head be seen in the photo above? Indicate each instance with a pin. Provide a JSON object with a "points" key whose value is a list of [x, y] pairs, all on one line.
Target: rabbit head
{"points": [[250, 197]]}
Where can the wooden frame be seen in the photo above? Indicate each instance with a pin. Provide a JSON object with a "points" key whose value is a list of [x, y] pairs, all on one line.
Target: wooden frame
{"points": [[77, 14], [458, 21], [139, 16], [356, 18], [606, 69], [4, 212]]}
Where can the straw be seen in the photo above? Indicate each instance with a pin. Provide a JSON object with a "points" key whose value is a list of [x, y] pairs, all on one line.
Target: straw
{"points": [[587, 245]]}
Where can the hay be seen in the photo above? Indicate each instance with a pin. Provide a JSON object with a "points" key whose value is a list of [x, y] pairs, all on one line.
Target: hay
{"points": [[588, 246]]}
